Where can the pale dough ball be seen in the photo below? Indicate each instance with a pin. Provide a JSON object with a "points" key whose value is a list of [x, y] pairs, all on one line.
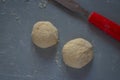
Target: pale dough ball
{"points": [[44, 34], [77, 53]]}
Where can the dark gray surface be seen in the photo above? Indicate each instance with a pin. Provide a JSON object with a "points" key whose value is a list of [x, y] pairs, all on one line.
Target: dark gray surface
{"points": [[21, 60]]}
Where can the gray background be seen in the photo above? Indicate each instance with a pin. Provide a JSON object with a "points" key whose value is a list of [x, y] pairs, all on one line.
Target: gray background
{"points": [[21, 60]]}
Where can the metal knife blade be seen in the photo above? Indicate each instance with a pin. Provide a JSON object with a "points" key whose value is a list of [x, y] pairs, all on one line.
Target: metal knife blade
{"points": [[73, 6]]}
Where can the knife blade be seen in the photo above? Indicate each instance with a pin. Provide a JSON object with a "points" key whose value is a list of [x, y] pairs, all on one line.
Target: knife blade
{"points": [[73, 6]]}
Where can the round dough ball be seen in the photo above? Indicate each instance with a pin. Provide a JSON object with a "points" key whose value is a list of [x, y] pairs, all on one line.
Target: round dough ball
{"points": [[44, 34], [77, 53]]}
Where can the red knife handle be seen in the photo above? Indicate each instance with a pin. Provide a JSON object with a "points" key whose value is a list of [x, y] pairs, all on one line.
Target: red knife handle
{"points": [[105, 24]]}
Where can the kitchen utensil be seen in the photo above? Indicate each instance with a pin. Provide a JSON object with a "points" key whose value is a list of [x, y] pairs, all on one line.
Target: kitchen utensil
{"points": [[101, 22]]}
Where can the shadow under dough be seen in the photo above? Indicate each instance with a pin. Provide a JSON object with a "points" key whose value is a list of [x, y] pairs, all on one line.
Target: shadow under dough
{"points": [[79, 74], [46, 53]]}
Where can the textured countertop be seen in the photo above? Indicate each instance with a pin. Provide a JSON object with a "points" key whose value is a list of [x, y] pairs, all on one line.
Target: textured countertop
{"points": [[21, 60]]}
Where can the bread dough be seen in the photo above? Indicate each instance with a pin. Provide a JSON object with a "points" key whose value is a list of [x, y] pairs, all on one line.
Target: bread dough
{"points": [[44, 34], [77, 53]]}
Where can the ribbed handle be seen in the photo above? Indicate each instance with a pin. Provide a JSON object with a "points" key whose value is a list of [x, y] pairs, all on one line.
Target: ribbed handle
{"points": [[103, 23]]}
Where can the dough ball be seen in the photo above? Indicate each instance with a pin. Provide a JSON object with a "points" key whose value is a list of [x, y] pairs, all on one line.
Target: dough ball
{"points": [[77, 53], [44, 34]]}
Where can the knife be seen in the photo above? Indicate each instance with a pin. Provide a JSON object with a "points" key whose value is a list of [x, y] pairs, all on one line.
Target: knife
{"points": [[98, 20]]}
